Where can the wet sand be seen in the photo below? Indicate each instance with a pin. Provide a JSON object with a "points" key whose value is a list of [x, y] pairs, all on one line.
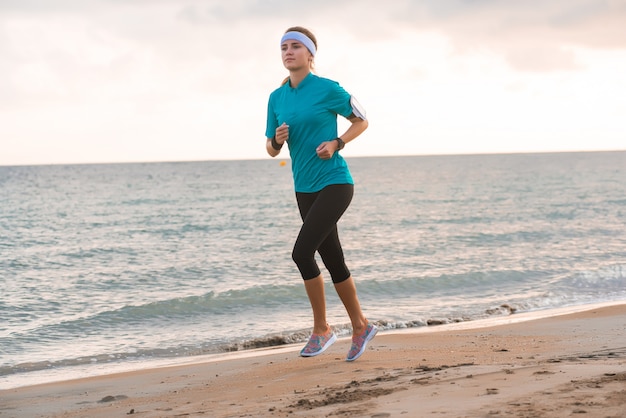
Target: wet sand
{"points": [[567, 364]]}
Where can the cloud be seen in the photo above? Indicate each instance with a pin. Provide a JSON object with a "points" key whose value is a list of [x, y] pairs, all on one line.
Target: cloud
{"points": [[542, 59], [531, 35], [122, 71]]}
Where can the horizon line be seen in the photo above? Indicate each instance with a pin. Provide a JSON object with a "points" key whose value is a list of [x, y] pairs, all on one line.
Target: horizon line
{"points": [[456, 154]]}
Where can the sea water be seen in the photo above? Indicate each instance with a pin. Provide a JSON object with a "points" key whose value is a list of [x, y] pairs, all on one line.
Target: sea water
{"points": [[104, 266]]}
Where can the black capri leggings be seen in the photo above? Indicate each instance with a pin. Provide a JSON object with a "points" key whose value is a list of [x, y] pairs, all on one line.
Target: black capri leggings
{"points": [[320, 212]]}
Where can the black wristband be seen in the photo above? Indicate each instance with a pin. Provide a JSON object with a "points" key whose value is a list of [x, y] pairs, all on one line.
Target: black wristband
{"points": [[276, 145], [341, 143]]}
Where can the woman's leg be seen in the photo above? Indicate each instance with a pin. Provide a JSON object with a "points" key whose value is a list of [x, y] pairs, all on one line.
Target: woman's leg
{"points": [[320, 213], [332, 255], [347, 293], [317, 298]]}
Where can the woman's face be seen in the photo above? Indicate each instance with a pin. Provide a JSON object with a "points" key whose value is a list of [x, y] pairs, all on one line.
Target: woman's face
{"points": [[295, 55]]}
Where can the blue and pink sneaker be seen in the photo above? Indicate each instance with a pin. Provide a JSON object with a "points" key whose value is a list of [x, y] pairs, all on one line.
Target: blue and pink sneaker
{"points": [[318, 343], [360, 342]]}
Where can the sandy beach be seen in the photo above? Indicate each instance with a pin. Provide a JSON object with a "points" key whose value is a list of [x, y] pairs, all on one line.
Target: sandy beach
{"points": [[567, 364]]}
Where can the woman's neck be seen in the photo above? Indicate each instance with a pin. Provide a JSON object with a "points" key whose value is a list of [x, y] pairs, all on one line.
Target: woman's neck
{"points": [[296, 77]]}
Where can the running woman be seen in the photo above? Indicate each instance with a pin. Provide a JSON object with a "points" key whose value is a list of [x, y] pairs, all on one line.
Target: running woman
{"points": [[303, 112]]}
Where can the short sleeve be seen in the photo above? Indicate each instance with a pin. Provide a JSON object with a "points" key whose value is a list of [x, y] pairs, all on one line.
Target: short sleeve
{"points": [[272, 122], [338, 100]]}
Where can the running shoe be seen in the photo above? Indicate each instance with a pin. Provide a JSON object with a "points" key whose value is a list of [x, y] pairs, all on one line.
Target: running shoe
{"points": [[318, 343], [360, 342]]}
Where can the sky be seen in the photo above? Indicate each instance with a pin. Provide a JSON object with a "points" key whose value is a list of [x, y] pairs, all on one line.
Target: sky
{"points": [[95, 81]]}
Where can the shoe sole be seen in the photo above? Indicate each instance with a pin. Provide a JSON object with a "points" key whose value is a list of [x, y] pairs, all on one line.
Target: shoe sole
{"points": [[369, 338], [330, 342]]}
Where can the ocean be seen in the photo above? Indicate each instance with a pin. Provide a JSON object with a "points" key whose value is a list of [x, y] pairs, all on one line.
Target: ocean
{"points": [[110, 267]]}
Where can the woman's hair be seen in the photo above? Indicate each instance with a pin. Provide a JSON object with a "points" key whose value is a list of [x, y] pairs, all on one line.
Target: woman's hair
{"points": [[306, 32]]}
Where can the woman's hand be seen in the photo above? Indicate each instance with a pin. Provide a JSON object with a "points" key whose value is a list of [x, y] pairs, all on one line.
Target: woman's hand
{"points": [[282, 134], [357, 125], [326, 149]]}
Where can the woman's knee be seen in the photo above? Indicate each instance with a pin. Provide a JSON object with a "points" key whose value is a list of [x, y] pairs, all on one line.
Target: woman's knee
{"points": [[342, 277], [298, 257], [306, 264]]}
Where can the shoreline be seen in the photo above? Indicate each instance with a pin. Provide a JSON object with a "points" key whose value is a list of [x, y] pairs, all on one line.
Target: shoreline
{"points": [[552, 362], [69, 373]]}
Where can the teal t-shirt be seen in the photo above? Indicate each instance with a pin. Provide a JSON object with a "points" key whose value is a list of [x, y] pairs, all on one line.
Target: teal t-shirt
{"points": [[311, 112]]}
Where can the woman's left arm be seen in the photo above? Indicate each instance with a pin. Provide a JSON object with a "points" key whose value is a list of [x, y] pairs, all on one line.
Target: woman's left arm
{"points": [[356, 128]]}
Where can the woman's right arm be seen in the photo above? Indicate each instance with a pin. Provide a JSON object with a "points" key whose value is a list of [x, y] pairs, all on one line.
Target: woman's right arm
{"points": [[273, 152]]}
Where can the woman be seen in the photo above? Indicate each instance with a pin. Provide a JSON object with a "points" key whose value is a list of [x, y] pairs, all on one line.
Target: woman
{"points": [[303, 113]]}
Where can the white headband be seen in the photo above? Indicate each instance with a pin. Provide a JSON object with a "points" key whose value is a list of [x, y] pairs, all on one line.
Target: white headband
{"points": [[300, 37]]}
